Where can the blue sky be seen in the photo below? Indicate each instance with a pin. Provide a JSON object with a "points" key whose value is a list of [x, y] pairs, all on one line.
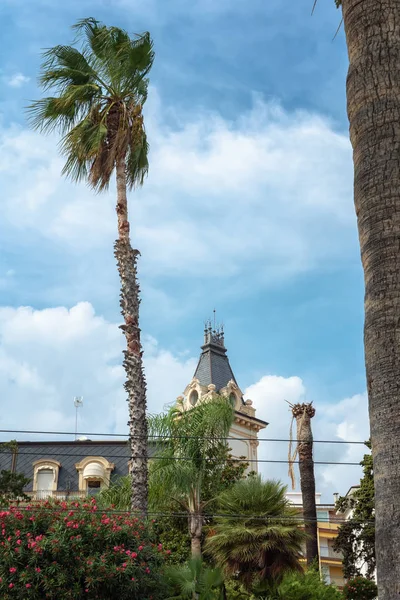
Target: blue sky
{"points": [[247, 208]]}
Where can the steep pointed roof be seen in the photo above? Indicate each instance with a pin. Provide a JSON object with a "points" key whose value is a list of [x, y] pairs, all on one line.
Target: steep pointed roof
{"points": [[213, 366]]}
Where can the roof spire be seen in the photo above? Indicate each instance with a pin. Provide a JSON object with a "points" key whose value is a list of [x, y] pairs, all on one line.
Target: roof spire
{"points": [[213, 367]]}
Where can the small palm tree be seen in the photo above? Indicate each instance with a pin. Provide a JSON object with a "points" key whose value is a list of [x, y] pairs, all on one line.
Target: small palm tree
{"points": [[99, 92], [257, 536], [188, 460], [195, 581]]}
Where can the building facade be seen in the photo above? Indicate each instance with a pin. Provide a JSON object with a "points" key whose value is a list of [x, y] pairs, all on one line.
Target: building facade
{"points": [[63, 469], [328, 523], [214, 376]]}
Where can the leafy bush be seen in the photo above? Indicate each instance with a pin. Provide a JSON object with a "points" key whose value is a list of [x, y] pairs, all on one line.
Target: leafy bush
{"points": [[360, 588], [70, 551], [294, 586], [306, 586]]}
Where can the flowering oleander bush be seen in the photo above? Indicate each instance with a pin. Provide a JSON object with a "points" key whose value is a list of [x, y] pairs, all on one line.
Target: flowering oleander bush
{"points": [[360, 588], [64, 550]]}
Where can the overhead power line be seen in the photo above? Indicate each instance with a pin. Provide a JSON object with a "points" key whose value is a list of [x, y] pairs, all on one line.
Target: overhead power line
{"points": [[174, 437], [189, 458], [101, 511]]}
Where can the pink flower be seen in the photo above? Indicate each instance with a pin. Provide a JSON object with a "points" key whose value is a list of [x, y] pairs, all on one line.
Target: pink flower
{"points": [[37, 569], [13, 570], [19, 542], [28, 585], [11, 585], [140, 548]]}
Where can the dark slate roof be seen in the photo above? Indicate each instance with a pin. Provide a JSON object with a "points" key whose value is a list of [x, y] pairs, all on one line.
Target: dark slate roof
{"points": [[67, 454], [213, 366]]}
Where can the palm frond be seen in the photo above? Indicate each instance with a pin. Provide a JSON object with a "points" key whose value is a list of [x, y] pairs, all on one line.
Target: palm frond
{"points": [[52, 113], [63, 66], [263, 545], [118, 495]]}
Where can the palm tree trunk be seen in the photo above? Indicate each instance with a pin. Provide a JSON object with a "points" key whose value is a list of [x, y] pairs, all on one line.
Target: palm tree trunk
{"points": [[303, 414], [135, 383], [373, 104], [195, 530]]}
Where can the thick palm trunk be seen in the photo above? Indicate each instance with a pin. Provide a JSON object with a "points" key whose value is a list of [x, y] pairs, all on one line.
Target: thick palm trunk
{"points": [[195, 530], [373, 103], [303, 414], [135, 383]]}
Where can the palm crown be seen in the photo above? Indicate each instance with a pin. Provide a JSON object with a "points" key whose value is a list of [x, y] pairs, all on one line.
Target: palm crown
{"points": [[99, 94], [191, 438], [257, 536]]}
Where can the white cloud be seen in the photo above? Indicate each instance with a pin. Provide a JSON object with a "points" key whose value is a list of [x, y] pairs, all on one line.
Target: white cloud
{"points": [[346, 420], [17, 80], [266, 196], [49, 356]]}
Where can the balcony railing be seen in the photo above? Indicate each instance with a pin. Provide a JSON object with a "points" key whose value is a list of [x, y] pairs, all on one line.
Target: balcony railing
{"points": [[58, 494], [330, 553]]}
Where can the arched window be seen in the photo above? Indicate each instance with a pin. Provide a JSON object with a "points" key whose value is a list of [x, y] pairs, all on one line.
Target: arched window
{"points": [[45, 477], [194, 396], [94, 474], [232, 399]]}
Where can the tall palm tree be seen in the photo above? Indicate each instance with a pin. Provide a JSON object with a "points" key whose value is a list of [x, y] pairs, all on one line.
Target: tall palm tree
{"points": [[257, 535], [373, 105], [188, 460], [98, 95], [303, 413]]}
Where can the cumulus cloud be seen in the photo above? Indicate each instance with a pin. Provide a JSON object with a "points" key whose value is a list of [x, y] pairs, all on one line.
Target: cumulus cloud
{"points": [[49, 356], [346, 420], [265, 196], [17, 80]]}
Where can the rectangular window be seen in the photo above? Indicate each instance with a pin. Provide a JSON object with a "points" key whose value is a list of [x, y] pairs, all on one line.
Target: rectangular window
{"points": [[323, 516], [45, 479], [93, 487]]}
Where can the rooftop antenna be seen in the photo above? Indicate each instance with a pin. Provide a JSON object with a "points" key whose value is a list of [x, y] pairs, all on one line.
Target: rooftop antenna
{"points": [[78, 402]]}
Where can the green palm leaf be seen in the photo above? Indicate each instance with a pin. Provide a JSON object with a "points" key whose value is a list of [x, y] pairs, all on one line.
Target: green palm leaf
{"points": [[98, 95], [258, 537]]}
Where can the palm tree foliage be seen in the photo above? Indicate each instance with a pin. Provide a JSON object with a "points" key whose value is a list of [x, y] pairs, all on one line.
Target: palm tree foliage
{"points": [[188, 460], [194, 580], [257, 535], [118, 494], [99, 92]]}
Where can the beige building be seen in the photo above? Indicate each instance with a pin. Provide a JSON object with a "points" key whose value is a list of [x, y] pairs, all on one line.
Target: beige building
{"points": [[328, 523], [214, 376]]}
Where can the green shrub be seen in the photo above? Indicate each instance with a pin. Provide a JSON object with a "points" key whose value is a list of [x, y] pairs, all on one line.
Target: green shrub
{"points": [[306, 586], [295, 586], [360, 588], [71, 551]]}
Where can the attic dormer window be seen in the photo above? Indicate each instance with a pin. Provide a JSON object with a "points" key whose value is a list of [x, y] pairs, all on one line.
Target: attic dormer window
{"points": [[194, 396], [232, 399]]}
